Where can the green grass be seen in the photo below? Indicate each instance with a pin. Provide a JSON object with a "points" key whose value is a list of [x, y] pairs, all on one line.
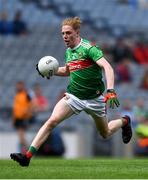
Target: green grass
{"points": [[76, 169]]}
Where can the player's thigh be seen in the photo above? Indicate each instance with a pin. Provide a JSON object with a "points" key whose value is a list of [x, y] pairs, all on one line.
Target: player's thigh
{"points": [[61, 111], [101, 124]]}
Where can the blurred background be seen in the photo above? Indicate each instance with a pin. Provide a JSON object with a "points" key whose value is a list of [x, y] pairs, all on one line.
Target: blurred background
{"points": [[29, 30]]}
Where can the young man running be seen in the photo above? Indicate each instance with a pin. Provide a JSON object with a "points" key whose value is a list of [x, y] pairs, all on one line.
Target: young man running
{"points": [[84, 64]]}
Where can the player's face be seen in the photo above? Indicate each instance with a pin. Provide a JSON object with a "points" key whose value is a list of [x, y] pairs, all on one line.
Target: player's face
{"points": [[70, 36]]}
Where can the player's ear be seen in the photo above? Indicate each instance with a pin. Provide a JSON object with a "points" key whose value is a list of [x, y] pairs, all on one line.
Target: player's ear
{"points": [[78, 33]]}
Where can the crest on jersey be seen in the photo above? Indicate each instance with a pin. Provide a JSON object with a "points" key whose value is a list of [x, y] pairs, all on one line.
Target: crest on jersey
{"points": [[80, 55]]}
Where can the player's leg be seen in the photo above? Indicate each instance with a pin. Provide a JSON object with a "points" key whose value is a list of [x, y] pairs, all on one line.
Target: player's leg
{"points": [[107, 129], [23, 143], [61, 111], [97, 109], [21, 127]]}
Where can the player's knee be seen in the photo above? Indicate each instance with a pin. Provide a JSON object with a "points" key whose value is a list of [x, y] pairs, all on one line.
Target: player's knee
{"points": [[51, 123]]}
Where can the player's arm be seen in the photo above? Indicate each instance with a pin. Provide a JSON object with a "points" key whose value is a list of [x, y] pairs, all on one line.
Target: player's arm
{"points": [[63, 71], [110, 96], [96, 55], [109, 73]]}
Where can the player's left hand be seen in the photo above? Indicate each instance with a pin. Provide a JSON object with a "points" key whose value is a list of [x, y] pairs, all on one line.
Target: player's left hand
{"points": [[111, 98]]}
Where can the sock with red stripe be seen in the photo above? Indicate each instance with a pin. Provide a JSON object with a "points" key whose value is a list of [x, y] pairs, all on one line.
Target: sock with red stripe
{"points": [[32, 150]]}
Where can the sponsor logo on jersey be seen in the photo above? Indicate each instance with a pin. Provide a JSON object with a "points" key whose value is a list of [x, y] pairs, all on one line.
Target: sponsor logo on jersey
{"points": [[79, 64]]}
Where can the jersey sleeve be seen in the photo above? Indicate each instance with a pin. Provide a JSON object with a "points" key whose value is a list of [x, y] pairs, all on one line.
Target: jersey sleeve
{"points": [[95, 53]]}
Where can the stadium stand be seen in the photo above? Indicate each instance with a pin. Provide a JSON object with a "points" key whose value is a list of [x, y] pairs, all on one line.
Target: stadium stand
{"points": [[103, 21]]}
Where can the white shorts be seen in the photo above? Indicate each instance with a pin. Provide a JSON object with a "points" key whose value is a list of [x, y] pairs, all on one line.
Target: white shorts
{"points": [[95, 106]]}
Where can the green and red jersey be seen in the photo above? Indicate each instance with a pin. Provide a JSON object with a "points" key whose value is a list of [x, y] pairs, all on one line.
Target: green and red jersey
{"points": [[85, 75]]}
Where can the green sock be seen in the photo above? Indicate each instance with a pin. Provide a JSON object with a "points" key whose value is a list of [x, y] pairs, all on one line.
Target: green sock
{"points": [[32, 150]]}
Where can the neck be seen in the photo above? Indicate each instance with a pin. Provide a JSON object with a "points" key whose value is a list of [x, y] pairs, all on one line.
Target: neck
{"points": [[77, 42]]}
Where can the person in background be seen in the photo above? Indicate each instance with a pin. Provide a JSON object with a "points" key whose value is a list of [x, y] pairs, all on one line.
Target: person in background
{"points": [[120, 51], [139, 111], [19, 25], [144, 81], [54, 144], [22, 113], [127, 108], [6, 26], [40, 102], [123, 72], [141, 146], [140, 52], [84, 64]]}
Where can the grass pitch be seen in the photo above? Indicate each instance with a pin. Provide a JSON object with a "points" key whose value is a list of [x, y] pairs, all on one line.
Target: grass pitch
{"points": [[76, 169]]}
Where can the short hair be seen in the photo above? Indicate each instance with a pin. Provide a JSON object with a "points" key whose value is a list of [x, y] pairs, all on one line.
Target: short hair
{"points": [[74, 22]]}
